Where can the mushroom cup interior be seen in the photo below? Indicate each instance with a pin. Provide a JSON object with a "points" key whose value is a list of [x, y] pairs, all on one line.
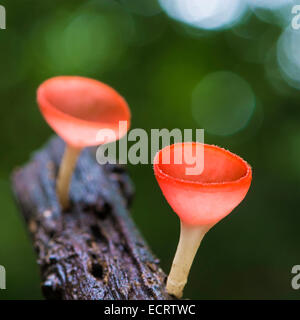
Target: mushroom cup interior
{"points": [[79, 109], [218, 165], [85, 99], [211, 194]]}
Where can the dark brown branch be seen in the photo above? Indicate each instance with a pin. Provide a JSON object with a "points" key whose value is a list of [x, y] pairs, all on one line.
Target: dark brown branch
{"points": [[93, 251]]}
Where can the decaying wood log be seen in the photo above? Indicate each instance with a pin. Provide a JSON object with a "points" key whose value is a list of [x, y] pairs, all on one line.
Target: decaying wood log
{"points": [[93, 251]]}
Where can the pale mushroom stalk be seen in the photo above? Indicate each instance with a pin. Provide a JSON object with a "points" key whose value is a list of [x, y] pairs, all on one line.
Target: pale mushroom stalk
{"points": [[189, 242], [65, 173]]}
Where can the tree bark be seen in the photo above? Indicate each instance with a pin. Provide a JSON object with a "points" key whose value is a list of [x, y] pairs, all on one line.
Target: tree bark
{"points": [[93, 251]]}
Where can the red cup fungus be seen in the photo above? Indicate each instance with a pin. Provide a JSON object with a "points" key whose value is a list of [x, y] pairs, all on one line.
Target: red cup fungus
{"points": [[199, 200], [77, 108]]}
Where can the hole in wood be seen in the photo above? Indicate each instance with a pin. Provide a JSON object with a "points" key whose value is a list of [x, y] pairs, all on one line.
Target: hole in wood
{"points": [[97, 271], [98, 235]]}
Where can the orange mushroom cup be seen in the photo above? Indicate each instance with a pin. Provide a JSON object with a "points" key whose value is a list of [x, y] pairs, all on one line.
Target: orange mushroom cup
{"points": [[200, 200], [77, 109]]}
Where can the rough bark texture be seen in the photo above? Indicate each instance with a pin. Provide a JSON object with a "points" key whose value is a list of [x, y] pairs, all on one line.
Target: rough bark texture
{"points": [[92, 251]]}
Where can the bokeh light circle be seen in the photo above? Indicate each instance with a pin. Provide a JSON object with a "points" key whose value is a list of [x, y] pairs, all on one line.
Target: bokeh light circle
{"points": [[288, 57], [210, 15], [89, 42], [223, 103]]}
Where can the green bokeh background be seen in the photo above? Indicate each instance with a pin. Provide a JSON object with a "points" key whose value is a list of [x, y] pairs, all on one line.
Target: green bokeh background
{"points": [[156, 63]]}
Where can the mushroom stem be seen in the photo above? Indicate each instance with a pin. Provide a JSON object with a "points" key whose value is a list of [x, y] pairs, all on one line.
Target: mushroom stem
{"points": [[65, 174], [189, 242]]}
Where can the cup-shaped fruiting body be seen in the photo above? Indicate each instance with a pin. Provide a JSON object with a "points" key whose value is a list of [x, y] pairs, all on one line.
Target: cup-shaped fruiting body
{"points": [[200, 200], [77, 109]]}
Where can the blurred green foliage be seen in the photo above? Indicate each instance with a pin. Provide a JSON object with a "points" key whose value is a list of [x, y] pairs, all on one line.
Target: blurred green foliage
{"points": [[156, 64]]}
